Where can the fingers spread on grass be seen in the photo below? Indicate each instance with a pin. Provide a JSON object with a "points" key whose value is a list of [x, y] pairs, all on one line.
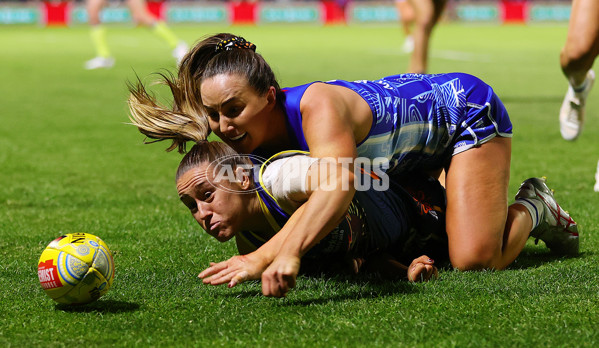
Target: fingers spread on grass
{"points": [[213, 269], [236, 274], [225, 276], [238, 278]]}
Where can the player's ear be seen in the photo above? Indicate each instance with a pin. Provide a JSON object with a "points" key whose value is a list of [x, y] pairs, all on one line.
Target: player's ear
{"points": [[271, 95], [243, 178]]}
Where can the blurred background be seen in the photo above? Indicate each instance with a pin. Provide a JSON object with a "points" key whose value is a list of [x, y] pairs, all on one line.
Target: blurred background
{"points": [[283, 11]]}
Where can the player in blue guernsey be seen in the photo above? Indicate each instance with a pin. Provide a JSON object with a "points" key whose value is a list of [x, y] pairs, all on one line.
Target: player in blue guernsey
{"points": [[418, 123], [253, 206]]}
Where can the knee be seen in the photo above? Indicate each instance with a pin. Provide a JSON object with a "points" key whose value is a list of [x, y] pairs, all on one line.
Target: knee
{"points": [[577, 55], [425, 23], [474, 259], [137, 18]]}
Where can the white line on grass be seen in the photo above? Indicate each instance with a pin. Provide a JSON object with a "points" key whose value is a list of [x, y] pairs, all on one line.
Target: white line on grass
{"points": [[461, 56], [442, 54]]}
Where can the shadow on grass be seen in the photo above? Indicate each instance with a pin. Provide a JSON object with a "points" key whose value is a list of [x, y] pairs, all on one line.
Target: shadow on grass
{"points": [[361, 290], [100, 306], [532, 257], [339, 288]]}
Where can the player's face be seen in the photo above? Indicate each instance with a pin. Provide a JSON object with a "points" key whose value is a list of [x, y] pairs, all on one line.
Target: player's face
{"points": [[219, 211], [236, 112]]}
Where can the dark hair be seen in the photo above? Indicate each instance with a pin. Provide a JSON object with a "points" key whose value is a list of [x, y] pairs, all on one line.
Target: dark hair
{"points": [[245, 63], [186, 120]]}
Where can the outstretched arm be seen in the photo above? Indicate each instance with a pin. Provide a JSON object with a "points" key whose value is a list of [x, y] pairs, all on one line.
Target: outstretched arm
{"points": [[322, 212], [332, 119], [246, 267], [250, 266]]}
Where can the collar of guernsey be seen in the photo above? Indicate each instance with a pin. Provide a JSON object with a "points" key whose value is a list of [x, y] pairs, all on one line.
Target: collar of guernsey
{"points": [[293, 97], [275, 215]]}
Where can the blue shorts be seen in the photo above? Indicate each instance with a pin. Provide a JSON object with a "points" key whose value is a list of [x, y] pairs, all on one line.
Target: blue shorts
{"points": [[486, 117]]}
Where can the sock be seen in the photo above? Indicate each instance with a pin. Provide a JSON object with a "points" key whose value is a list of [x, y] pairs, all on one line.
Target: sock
{"points": [[535, 208], [162, 30], [580, 88], [98, 35]]}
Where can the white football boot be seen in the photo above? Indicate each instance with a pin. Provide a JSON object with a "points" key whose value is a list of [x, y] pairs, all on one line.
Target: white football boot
{"points": [[180, 51], [556, 228], [99, 63], [408, 44], [596, 188], [571, 114]]}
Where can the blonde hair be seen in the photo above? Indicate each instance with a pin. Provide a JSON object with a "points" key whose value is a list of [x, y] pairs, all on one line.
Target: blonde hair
{"points": [[181, 123], [206, 152], [186, 120]]}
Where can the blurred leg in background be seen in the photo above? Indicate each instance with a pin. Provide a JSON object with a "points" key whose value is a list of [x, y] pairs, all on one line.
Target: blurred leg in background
{"points": [[577, 58], [141, 16], [427, 14], [406, 18], [103, 58]]}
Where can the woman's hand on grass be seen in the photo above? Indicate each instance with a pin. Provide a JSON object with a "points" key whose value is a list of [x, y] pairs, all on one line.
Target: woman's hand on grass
{"points": [[422, 269], [235, 270], [280, 276]]}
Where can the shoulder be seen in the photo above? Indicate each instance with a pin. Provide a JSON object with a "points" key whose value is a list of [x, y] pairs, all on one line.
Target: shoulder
{"points": [[285, 179], [319, 91], [321, 98]]}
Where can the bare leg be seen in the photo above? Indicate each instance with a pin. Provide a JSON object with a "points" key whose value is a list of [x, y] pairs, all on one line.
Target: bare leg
{"points": [[406, 16], [93, 8], [576, 59], [140, 13], [98, 37], [582, 44], [483, 232], [427, 13]]}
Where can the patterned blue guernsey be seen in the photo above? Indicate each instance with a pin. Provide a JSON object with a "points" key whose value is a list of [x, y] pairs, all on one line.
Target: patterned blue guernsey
{"points": [[419, 121]]}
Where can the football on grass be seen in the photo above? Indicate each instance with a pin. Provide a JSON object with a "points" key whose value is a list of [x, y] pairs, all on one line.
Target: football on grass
{"points": [[76, 268]]}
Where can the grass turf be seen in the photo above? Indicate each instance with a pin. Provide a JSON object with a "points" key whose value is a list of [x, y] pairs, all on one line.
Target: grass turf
{"points": [[69, 163]]}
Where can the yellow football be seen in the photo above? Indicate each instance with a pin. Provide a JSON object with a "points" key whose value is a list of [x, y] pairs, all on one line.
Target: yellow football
{"points": [[76, 268]]}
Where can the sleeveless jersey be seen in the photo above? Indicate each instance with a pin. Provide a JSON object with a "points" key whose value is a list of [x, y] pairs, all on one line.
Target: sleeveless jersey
{"points": [[419, 121]]}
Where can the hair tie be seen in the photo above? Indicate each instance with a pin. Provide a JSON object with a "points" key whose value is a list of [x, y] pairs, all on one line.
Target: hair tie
{"points": [[234, 42]]}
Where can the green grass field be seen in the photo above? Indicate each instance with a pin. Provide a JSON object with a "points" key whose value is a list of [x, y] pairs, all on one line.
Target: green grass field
{"points": [[69, 163]]}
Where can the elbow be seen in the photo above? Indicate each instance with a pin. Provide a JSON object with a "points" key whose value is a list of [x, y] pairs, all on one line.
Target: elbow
{"points": [[346, 182], [351, 182]]}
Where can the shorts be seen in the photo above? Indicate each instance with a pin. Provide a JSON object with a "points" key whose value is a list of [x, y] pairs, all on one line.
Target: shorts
{"points": [[485, 117]]}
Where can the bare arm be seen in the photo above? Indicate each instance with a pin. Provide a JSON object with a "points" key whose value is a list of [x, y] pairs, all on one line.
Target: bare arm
{"points": [[245, 267], [248, 267], [332, 118]]}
